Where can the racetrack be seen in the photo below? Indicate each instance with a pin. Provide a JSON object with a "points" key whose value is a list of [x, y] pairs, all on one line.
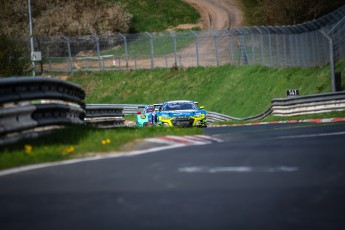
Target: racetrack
{"points": [[283, 176]]}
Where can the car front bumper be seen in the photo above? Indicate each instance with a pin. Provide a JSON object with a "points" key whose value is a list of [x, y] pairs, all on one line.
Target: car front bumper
{"points": [[183, 121]]}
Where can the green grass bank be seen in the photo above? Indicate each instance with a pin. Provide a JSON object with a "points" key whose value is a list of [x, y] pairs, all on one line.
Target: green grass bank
{"points": [[235, 91], [158, 15], [79, 141]]}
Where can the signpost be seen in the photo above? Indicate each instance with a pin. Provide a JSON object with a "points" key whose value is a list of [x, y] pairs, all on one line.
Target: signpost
{"points": [[31, 40], [36, 56]]}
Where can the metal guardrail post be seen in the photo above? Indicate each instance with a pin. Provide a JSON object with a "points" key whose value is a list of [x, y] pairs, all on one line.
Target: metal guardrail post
{"points": [[173, 36], [331, 58], [69, 60], [151, 48], [196, 37], [98, 52], [126, 47]]}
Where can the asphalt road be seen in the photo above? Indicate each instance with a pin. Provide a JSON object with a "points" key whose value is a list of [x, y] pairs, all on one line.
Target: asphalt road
{"points": [[261, 177]]}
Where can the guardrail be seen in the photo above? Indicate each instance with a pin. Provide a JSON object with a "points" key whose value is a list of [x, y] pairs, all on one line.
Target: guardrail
{"points": [[30, 105], [104, 115], [311, 104], [300, 105]]}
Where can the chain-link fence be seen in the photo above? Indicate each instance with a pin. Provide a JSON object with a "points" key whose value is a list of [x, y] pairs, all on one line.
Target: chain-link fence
{"points": [[313, 43]]}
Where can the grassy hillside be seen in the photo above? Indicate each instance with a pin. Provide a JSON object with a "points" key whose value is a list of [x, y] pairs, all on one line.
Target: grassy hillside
{"points": [[282, 12], [158, 15], [236, 91]]}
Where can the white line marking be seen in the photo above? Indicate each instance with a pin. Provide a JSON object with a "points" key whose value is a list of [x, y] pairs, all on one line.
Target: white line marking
{"points": [[209, 138], [311, 135], [237, 169], [97, 157], [179, 142]]}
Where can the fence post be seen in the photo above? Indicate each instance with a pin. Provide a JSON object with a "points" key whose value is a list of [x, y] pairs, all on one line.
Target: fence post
{"points": [[173, 36], [331, 58], [277, 47], [284, 45], [126, 48], [303, 49], [253, 48], [230, 44], [215, 38], [151, 48], [243, 50], [69, 60], [270, 47], [262, 45], [98, 52], [196, 37], [296, 50]]}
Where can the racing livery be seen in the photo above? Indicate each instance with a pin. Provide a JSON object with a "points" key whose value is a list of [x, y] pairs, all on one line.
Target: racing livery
{"points": [[181, 113], [145, 118]]}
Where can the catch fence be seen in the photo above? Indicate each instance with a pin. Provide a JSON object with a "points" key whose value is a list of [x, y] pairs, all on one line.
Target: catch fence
{"points": [[314, 43]]}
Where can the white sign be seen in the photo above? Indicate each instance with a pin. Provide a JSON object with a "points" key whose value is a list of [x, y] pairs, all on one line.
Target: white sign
{"points": [[36, 56], [292, 92]]}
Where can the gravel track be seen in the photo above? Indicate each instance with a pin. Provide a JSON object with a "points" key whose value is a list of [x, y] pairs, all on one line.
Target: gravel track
{"points": [[218, 14]]}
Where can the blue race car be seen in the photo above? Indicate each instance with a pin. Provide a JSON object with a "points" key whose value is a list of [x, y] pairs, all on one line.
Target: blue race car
{"points": [[181, 113], [145, 118]]}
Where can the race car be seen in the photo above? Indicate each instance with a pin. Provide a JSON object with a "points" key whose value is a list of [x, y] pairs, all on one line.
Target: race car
{"points": [[181, 113], [145, 118], [156, 108]]}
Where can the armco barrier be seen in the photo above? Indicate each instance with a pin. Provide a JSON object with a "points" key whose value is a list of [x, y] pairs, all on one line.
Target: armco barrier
{"points": [[300, 105], [29, 105], [104, 115], [310, 104]]}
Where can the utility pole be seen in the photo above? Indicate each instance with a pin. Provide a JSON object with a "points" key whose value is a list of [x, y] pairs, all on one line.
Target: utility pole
{"points": [[31, 40]]}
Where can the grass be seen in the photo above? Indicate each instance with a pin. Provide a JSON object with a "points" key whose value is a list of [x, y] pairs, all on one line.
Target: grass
{"points": [[158, 15], [139, 45], [236, 91], [253, 13], [78, 141]]}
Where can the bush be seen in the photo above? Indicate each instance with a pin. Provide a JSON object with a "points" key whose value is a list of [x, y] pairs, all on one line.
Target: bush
{"points": [[65, 17], [13, 61], [286, 12]]}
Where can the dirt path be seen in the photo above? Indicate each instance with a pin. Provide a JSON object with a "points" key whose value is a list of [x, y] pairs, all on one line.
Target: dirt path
{"points": [[218, 14]]}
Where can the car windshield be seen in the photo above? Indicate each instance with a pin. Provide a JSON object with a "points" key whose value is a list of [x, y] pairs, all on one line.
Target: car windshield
{"points": [[179, 106], [149, 109]]}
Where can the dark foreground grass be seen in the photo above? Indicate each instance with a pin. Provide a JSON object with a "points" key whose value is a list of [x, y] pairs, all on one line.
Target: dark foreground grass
{"points": [[79, 141]]}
